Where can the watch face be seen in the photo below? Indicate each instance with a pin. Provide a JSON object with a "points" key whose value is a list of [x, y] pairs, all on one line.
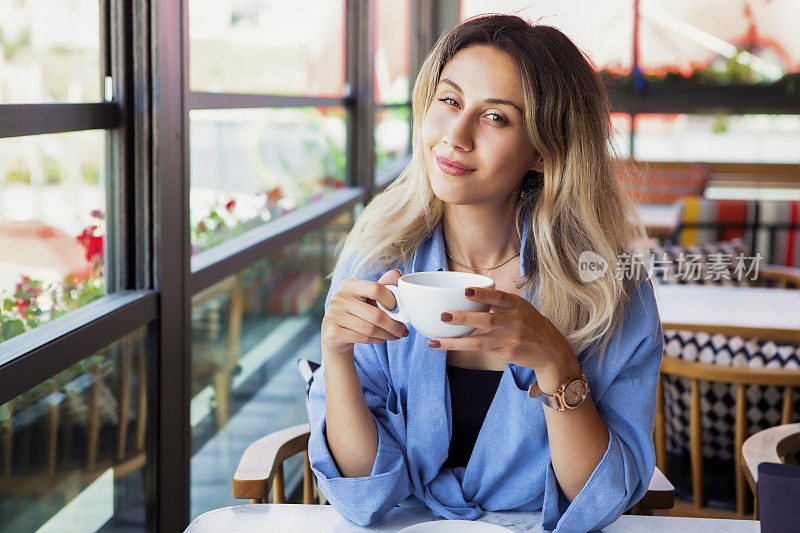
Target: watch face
{"points": [[574, 393]]}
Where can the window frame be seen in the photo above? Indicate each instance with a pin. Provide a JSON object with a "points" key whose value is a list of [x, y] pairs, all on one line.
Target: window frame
{"points": [[183, 275], [151, 276], [128, 304]]}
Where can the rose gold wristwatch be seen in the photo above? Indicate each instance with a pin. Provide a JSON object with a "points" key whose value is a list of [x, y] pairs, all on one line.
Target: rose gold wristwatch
{"points": [[570, 395]]}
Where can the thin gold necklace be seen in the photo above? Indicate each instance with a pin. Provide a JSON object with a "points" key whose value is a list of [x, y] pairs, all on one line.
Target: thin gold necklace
{"points": [[475, 269]]}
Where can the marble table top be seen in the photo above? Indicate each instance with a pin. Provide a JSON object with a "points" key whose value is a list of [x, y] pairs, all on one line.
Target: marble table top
{"points": [[661, 217], [278, 518], [770, 312]]}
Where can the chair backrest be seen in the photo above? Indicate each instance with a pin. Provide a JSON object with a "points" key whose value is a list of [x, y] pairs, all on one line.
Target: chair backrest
{"points": [[661, 182], [739, 378], [773, 445]]}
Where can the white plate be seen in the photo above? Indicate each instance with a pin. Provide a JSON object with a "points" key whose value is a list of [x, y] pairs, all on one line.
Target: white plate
{"points": [[453, 526]]}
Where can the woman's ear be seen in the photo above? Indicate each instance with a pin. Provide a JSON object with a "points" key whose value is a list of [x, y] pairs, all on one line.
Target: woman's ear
{"points": [[538, 166]]}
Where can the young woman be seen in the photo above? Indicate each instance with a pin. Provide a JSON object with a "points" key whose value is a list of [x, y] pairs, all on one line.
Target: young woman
{"points": [[512, 177]]}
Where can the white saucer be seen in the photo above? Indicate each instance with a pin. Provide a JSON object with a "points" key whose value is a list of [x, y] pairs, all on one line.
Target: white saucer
{"points": [[453, 526]]}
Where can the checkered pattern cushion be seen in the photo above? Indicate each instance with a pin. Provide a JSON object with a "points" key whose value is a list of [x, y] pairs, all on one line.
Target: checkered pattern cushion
{"points": [[718, 400], [702, 264], [307, 368]]}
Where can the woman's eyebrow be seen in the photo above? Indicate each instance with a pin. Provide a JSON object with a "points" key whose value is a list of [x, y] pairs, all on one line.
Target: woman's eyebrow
{"points": [[501, 101]]}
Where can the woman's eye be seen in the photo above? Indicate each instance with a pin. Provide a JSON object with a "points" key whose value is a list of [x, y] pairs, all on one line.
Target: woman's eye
{"points": [[448, 101], [497, 118]]}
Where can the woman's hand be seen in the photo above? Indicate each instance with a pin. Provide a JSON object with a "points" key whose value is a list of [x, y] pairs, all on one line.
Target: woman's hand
{"points": [[352, 315], [513, 330]]}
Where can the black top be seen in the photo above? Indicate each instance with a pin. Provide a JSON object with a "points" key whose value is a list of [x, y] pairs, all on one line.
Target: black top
{"points": [[471, 394]]}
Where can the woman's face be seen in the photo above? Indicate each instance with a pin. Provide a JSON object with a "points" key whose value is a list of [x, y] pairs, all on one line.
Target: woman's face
{"points": [[475, 146]]}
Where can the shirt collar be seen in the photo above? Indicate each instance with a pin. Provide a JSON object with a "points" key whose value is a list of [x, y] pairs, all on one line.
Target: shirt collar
{"points": [[430, 255]]}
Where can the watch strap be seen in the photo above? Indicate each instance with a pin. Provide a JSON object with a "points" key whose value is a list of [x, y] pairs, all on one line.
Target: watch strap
{"points": [[556, 400]]}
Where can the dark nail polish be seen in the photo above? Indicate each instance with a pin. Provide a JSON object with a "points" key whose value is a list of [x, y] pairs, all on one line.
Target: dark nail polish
{"points": [[469, 292], [434, 344], [447, 317]]}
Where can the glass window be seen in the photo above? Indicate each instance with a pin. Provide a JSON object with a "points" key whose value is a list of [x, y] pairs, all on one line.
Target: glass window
{"points": [[52, 226], [392, 51], [392, 133], [267, 46], [249, 166], [621, 136], [247, 333], [49, 51], [733, 138], [73, 447]]}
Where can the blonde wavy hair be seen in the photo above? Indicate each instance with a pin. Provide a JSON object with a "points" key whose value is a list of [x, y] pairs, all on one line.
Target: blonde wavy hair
{"points": [[576, 204]]}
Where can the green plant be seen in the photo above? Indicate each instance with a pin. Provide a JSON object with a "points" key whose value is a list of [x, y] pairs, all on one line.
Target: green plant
{"points": [[52, 171], [24, 310], [18, 175]]}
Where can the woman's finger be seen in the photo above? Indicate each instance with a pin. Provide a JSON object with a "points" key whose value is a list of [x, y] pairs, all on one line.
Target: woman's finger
{"points": [[479, 319], [499, 299], [472, 343], [363, 327], [356, 337], [369, 290], [372, 314]]}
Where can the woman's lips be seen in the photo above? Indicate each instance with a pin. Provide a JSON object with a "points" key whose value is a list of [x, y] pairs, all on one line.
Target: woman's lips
{"points": [[454, 168]]}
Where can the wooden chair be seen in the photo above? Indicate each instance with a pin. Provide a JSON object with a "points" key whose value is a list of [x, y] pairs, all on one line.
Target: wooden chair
{"points": [[128, 381], [261, 469], [781, 277], [210, 357], [771, 445], [774, 276], [740, 377]]}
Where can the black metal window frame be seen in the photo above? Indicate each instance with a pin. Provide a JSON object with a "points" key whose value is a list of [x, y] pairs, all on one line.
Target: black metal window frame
{"points": [[130, 303], [179, 275]]}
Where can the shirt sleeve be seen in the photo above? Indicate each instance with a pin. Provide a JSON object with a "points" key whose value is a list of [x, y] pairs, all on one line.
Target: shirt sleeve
{"points": [[627, 406], [361, 500]]}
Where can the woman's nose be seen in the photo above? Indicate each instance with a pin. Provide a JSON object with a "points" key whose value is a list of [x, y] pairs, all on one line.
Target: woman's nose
{"points": [[459, 136]]}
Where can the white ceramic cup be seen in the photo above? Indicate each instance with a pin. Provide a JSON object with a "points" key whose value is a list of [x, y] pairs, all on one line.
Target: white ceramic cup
{"points": [[422, 297]]}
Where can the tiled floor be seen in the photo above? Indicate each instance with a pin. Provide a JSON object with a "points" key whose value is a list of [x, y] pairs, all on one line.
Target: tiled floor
{"points": [[278, 404]]}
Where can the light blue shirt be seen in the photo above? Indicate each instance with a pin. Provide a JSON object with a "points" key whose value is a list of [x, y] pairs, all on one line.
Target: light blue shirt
{"points": [[407, 391]]}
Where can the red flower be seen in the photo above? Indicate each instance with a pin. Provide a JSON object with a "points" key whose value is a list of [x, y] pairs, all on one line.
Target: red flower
{"points": [[334, 183], [93, 244], [27, 287], [230, 205], [274, 195]]}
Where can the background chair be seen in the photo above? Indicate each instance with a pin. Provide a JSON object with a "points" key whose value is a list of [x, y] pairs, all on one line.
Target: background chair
{"points": [[773, 445], [70, 430], [717, 437], [260, 469], [671, 266], [768, 227], [710, 388]]}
